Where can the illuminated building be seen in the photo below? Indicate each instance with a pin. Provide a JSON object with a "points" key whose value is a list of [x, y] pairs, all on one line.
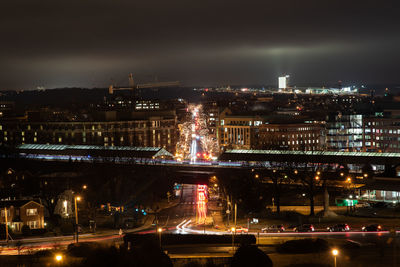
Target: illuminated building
{"points": [[381, 134], [154, 129], [283, 82], [344, 133], [22, 212], [291, 136], [237, 131]]}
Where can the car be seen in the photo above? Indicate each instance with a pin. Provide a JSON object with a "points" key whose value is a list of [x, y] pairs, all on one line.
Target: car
{"points": [[239, 229], [372, 228], [363, 205], [304, 228], [379, 205], [273, 228], [341, 227]]}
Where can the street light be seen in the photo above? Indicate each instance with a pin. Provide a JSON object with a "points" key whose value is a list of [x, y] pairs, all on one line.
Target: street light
{"points": [[233, 230], [335, 252], [59, 258], [84, 187], [159, 230], [76, 198]]}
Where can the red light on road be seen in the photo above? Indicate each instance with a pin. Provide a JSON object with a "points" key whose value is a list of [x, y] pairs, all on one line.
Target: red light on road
{"points": [[198, 154], [201, 202]]}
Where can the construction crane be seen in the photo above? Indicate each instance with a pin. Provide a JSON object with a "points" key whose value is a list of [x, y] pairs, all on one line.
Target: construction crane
{"points": [[132, 85]]}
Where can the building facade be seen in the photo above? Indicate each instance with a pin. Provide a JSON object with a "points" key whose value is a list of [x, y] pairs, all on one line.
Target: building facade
{"points": [[237, 132], [22, 212], [344, 133], [381, 134], [291, 136], [153, 131]]}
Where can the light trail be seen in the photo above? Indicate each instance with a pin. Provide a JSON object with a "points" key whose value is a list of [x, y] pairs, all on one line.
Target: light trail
{"points": [[201, 203], [179, 226]]}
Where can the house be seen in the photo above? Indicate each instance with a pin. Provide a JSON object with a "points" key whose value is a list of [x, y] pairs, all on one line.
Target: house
{"points": [[22, 212]]}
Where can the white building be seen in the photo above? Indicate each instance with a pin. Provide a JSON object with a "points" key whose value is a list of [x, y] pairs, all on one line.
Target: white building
{"points": [[284, 82]]}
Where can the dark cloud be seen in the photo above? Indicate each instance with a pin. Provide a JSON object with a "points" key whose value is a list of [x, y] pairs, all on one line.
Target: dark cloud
{"points": [[86, 43]]}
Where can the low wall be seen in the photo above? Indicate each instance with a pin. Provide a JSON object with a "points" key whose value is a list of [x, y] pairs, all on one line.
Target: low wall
{"points": [[305, 210]]}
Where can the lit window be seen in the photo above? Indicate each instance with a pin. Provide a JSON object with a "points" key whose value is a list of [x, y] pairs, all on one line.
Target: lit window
{"points": [[33, 224], [31, 212], [59, 139]]}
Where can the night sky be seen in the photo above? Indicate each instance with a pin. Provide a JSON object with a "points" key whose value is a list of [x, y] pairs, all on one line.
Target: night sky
{"points": [[86, 43]]}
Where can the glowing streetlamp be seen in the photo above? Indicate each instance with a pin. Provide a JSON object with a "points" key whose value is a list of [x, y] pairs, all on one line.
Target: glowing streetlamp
{"points": [[159, 230], [58, 258], [335, 252], [76, 198], [84, 187], [233, 230]]}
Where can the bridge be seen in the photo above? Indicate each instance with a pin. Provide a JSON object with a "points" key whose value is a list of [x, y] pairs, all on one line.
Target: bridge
{"points": [[311, 156], [241, 159]]}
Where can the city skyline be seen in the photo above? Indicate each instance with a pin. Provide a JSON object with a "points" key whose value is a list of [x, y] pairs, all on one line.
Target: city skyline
{"points": [[92, 44]]}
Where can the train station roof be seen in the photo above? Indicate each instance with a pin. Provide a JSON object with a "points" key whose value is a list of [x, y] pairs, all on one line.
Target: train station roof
{"points": [[311, 156], [85, 150]]}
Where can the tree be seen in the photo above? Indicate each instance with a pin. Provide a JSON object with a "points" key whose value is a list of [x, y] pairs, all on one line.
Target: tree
{"points": [[310, 178], [50, 189], [250, 256], [278, 180]]}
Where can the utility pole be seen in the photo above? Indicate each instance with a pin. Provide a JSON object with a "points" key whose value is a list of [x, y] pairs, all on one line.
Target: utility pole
{"points": [[76, 198], [6, 220], [235, 213]]}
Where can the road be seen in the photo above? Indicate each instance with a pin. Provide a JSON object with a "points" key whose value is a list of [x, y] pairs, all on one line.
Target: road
{"points": [[182, 213]]}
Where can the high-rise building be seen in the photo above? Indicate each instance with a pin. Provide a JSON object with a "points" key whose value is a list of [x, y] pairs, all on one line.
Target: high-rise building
{"points": [[284, 82]]}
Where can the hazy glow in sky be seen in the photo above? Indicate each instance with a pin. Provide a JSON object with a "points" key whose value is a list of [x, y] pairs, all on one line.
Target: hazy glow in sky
{"points": [[88, 43]]}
